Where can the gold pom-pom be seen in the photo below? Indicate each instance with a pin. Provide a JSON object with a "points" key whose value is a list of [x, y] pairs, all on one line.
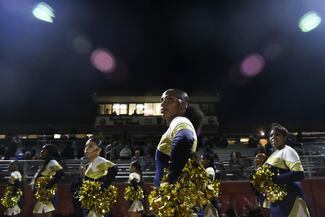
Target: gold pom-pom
{"points": [[96, 199], [132, 194], [193, 189], [11, 198], [262, 182], [170, 200], [44, 194]]}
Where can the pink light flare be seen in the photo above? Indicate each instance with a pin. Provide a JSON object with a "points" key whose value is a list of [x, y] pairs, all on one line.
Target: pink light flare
{"points": [[103, 60], [252, 65]]}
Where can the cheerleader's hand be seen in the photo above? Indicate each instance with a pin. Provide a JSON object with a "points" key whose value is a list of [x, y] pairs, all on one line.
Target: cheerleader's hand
{"points": [[14, 190], [82, 171], [104, 185], [50, 184], [275, 179]]}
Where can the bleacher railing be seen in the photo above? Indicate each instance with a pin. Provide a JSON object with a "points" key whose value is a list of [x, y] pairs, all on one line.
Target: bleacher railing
{"points": [[314, 166]]}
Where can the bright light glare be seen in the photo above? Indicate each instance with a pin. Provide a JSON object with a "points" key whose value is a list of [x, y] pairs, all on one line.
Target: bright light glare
{"points": [[309, 21], [44, 12], [57, 136]]}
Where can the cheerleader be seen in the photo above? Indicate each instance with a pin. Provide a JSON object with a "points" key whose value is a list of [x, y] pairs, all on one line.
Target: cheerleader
{"points": [[136, 185], [286, 165], [263, 204], [14, 191], [98, 169], [180, 140], [46, 178], [207, 161]]}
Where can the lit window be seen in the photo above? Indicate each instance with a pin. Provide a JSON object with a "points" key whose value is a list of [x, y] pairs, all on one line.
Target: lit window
{"points": [[152, 109], [120, 109], [136, 109], [105, 109]]}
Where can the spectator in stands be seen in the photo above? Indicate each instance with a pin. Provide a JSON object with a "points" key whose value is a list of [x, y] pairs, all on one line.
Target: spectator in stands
{"points": [[67, 152], [77, 149], [180, 140], [236, 165], [10, 152], [219, 166], [50, 168], [149, 151], [126, 152], [28, 155], [28, 150], [222, 142], [2, 151], [137, 157], [286, 164], [204, 142], [208, 148], [266, 149]]}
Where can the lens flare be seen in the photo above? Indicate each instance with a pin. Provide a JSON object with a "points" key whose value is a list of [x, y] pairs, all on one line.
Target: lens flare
{"points": [[252, 65], [103, 60]]}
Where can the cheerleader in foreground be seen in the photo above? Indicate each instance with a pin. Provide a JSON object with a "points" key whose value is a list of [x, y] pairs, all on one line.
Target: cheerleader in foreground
{"points": [[14, 191], [173, 153], [285, 163], [46, 180], [180, 140]]}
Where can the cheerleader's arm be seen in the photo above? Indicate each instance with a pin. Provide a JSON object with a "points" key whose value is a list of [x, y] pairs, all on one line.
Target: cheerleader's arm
{"points": [[110, 176], [181, 151], [288, 177], [55, 179]]}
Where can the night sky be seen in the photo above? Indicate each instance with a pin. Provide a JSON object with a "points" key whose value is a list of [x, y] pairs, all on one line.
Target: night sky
{"points": [[194, 45]]}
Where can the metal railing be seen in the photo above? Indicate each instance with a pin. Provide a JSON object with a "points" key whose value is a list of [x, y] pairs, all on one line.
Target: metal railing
{"points": [[314, 166]]}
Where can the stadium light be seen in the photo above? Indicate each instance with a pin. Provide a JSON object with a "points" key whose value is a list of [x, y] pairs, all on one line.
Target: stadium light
{"points": [[44, 12], [309, 21]]}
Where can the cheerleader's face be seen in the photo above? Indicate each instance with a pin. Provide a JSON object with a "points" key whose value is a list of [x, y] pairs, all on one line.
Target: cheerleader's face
{"points": [[204, 161], [44, 153], [91, 150], [132, 169], [171, 106], [277, 140], [12, 167], [260, 159]]}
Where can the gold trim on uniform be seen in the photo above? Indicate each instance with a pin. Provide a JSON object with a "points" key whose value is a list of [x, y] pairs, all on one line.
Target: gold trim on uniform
{"points": [[177, 124], [12, 211], [51, 168], [286, 158], [299, 209], [40, 208], [98, 168]]}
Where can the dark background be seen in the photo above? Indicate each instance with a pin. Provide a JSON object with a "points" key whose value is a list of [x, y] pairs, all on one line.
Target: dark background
{"points": [[193, 45]]}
